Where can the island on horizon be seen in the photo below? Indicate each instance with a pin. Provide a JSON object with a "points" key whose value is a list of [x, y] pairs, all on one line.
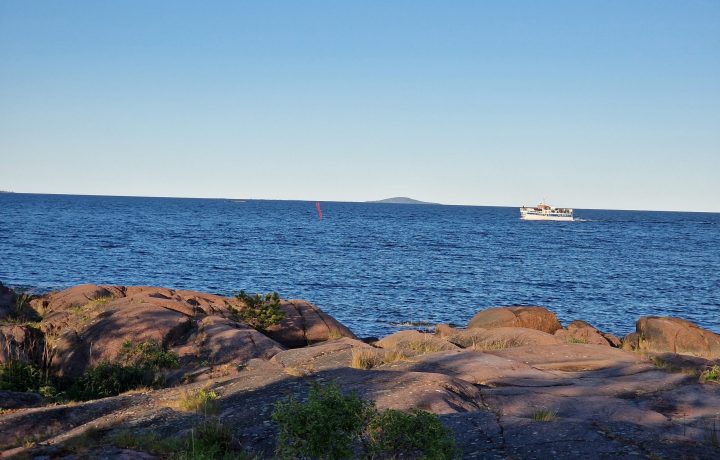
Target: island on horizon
{"points": [[400, 200]]}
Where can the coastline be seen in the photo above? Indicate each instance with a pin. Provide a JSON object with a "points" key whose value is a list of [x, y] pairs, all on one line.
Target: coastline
{"points": [[515, 361]]}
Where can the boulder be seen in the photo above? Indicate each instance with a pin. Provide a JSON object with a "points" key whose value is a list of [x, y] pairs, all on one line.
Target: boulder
{"points": [[437, 393], [657, 334], [582, 332], [19, 400], [305, 324], [478, 368], [222, 341], [501, 337], [100, 336], [75, 296], [89, 324], [415, 343], [186, 302], [445, 330], [612, 339], [539, 318]]}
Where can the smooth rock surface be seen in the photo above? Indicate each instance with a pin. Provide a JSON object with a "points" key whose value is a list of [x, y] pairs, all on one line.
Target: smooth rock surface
{"points": [[570, 357], [674, 335], [17, 399], [224, 341], [582, 332], [501, 337], [531, 317], [305, 324], [415, 342]]}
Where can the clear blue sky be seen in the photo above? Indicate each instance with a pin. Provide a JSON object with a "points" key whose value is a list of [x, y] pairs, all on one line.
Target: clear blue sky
{"points": [[598, 104]]}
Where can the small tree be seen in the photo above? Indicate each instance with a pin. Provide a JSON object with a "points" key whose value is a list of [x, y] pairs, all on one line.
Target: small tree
{"points": [[260, 311]]}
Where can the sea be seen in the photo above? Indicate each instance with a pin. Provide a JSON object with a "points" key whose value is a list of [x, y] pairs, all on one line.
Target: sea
{"points": [[377, 268]]}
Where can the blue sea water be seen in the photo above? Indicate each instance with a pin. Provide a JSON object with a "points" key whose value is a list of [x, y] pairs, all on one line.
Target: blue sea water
{"points": [[374, 266]]}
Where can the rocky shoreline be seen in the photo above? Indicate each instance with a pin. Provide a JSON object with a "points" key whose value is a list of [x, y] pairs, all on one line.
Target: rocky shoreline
{"points": [[513, 384]]}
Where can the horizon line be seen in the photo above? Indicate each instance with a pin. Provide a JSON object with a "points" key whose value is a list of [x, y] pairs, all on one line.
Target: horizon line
{"points": [[423, 203]]}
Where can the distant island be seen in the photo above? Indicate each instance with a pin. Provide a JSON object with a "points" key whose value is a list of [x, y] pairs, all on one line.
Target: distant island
{"points": [[400, 200]]}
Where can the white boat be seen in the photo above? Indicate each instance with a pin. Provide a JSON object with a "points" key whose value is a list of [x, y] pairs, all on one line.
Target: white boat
{"points": [[544, 211]]}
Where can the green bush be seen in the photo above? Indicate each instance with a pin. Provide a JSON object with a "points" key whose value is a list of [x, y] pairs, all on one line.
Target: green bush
{"points": [[202, 401], [326, 426], [108, 379], [711, 375], [147, 355], [419, 434], [139, 366], [259, 311], [331, 425], [16, 375]]}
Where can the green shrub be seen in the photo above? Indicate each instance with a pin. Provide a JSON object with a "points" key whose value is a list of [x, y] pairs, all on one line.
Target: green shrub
{"points": [[202, 401], [417, 434], [711, 375], [109, 379], [148, 355], [16, 375], [331, 425], [139, 366], [326, 426], [259, 311]]}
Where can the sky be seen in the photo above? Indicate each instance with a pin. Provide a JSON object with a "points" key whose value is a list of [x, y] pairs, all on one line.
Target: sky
{"points": [[611, 104]]}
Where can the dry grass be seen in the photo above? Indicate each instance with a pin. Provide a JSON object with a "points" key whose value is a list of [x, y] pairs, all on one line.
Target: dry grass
{"points": [[295, 372], [365, 358], [392, 356], [544, 415], [139, 390], [368, 358], [335, 334], [577, 340], [496, 344], [422, 346]]}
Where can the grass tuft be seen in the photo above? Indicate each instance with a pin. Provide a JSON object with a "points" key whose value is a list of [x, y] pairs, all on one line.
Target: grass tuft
{"points": [[335, 334], [202, 401], [365, 358], [544, 415], [711, 375], [576, 340]]}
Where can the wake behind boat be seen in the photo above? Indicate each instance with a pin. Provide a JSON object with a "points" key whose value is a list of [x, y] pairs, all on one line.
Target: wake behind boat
{"points": [[544, 211]]}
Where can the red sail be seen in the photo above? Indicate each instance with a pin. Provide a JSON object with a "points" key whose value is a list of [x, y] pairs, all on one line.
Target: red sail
{"points": [[317, 206]]}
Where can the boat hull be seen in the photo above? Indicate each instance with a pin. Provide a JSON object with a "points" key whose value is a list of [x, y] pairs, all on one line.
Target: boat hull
{"points": [[541, 217], [532, 216]]}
